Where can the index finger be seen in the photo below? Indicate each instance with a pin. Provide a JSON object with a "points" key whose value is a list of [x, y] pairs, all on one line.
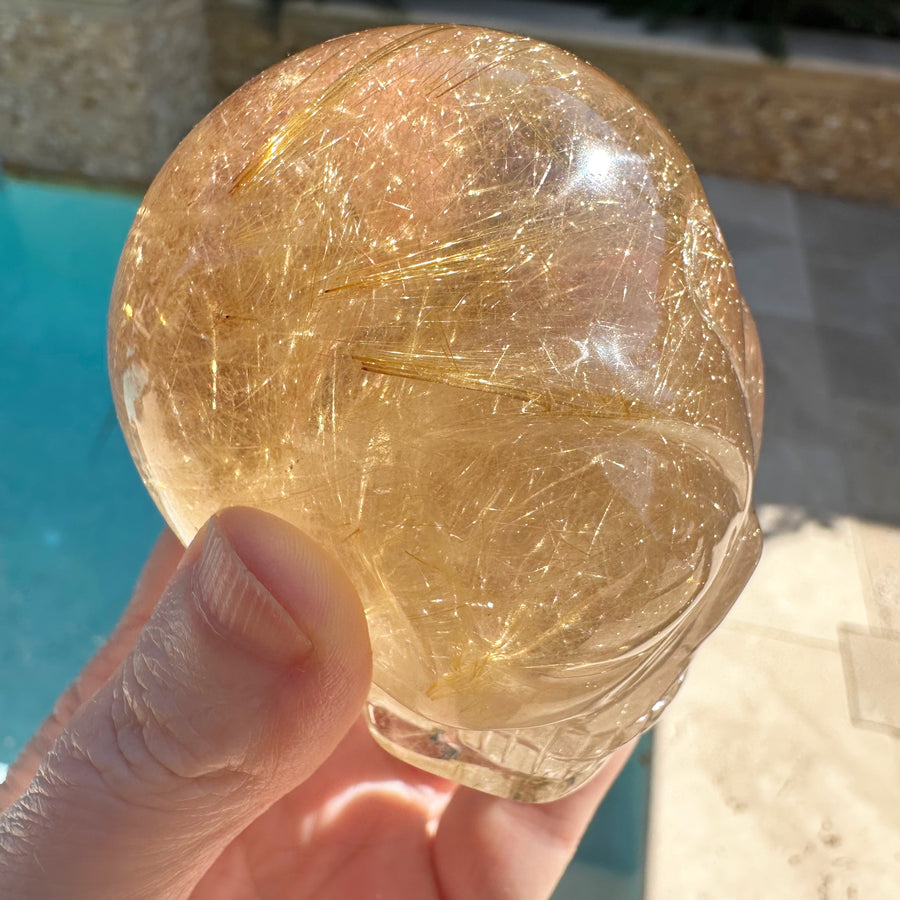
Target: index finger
{"points": [[490, 847]]}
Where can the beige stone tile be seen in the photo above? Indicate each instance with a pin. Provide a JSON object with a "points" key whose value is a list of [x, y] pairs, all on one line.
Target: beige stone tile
{"points": [[762, 786], [878, 553], [872, 671], [807, 581]]}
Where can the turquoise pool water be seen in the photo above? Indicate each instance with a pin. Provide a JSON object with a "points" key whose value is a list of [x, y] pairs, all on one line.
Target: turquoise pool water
{"points": [[75, 521]]}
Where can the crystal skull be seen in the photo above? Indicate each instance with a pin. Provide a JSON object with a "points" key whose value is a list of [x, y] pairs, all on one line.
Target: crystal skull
{"points": [[453, 302]]}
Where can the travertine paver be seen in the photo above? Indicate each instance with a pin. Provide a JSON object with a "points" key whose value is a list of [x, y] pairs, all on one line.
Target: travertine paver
{"points": [[777, 769]]}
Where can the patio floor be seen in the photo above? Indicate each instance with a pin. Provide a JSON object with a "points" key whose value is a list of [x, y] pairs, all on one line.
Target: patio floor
{"points": [[777, 770]]}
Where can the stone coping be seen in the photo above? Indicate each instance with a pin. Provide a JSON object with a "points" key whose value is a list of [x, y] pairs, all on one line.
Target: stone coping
{"points": [[139, 72], [825, 120], [103, 90], [560, 21]]}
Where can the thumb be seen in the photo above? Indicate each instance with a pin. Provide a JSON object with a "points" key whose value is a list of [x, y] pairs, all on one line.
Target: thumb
{"points": [[251, 669]]}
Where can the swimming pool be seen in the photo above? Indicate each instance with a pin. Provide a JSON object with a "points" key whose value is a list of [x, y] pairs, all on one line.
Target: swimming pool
{"points": [[75, 520]]}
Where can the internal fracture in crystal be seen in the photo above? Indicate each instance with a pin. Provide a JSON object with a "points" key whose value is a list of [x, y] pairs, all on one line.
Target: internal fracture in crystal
{"points": [[453, 302]]}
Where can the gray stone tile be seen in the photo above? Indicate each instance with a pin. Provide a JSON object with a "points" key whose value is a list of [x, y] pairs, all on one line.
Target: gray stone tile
{"points": [[870, 449], [883, 277], [771, 275], [765, 207], [855, 232], [860, 366], [803, 474], [883, 280], [844, 297], [760, 226], [798, 398]]}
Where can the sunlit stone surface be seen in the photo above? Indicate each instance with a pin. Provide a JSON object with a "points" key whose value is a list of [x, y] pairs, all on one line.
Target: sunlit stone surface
{"points": [[453, 302]]}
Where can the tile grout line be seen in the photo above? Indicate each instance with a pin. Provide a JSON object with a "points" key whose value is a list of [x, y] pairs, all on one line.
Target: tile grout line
{"points": [[780, 634]]}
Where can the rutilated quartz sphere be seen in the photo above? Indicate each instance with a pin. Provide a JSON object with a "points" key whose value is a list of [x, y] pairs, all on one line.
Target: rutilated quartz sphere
{"points": [[453, 302]]}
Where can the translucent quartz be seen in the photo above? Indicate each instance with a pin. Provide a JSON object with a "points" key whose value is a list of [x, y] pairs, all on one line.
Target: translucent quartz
{"points": [[453, 302]]}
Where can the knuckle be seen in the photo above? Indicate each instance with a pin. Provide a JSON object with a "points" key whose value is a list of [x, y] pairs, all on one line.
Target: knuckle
{"points": [[156, 750], [181, 742], [149, 741]]}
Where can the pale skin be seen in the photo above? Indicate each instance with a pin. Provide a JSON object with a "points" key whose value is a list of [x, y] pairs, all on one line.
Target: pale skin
{"points": [[214, 749]]}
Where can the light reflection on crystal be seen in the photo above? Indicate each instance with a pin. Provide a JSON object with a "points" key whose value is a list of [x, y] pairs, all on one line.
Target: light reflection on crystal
{"points": [[453, 303]]}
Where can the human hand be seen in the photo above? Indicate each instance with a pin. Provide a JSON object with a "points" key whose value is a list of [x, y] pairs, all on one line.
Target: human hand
{"points": [[214, 749]]}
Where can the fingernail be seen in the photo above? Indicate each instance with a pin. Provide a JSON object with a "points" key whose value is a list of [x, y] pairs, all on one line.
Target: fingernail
{"points": [[240, 608]]}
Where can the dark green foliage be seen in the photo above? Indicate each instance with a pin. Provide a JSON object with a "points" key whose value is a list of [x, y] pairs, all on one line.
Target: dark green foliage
{"points": [[766, 18], [769, 18]]}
